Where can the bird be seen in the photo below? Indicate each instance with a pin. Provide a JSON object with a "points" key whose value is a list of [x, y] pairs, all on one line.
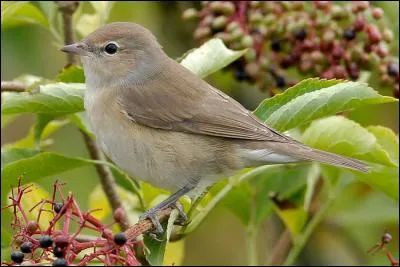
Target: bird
{"points": [[160, 123]]}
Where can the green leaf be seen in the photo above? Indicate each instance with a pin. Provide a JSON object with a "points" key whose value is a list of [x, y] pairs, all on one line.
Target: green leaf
{"points": [[57, 99], [210, 57], [9, 155], [313, 99], [103, 9], [88, 23], [43, 128], [342, 136], [14, 13], [157, 248], [387, 139], [7, 119], [71, 74], [80, 120]]}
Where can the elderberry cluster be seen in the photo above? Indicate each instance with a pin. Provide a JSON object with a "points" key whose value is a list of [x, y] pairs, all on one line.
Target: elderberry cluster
{"points": [[318, 38]]}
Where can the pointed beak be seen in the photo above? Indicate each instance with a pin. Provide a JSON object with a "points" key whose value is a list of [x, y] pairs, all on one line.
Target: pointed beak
{"points": [[76, 48]]}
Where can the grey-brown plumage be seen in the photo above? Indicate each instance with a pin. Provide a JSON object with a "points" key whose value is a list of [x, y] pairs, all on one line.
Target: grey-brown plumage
{"points": [[163, 124]]}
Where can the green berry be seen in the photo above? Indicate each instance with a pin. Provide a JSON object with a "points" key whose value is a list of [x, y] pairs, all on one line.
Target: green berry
{"points": [[219, 22], [250, 55], [247, 41], [190, 14], [232, 26]]}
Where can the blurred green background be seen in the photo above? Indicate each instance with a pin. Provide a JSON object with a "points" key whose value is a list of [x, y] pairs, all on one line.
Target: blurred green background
{"points": [[220, 240]]}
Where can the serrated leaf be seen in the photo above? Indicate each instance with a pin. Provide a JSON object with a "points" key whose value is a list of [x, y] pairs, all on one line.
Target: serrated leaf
{"points": [[157, 248], [387, 139], [14, 13], [56, 99], [342, 136], [210, 57], [302, 104]]}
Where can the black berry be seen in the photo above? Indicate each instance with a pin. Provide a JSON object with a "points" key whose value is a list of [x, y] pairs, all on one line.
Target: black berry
{"points": [[26, 247], [61, 241], [17, 256], [45, 241], [393, 69], [300, 34], [58, 252], [58, 206], [276, 45], [280, 81], [120, 239], [60, 262], [349, 34]]}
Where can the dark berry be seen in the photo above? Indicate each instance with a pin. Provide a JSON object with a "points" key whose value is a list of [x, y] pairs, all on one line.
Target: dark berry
{"points": [[241, 75], [60, 262], [300, 34], [17, 256], [276, 45], [349, 34], [393, 69], [61, 241], [45, 241], [58, 252], [386, 238], [120, 239], [280, 82], [26, 247], [359, 24], [58, 206]]}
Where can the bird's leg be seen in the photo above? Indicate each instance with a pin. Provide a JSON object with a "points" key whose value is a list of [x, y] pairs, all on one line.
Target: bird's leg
{"points": [[170, 201]]}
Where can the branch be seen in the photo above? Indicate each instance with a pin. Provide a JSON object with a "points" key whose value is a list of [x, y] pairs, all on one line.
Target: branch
{"points": [[107, 180], [12, 86], [279, 252]]}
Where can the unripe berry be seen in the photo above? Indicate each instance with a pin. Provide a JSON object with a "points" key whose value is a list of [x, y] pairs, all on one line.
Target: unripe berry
{"points": [[31, 227], [250, 55], [232, 26], [374, 34], [359, 24], [247, 41], [219, 22], [190, 14], [61, 241], [202, 32]]}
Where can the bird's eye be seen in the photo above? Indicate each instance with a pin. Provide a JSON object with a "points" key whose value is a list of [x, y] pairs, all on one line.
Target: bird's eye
{"points": [[111, 48]]}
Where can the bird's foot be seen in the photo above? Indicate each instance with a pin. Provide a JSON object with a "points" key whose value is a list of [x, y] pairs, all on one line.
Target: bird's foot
{"points": [[182, 217]]}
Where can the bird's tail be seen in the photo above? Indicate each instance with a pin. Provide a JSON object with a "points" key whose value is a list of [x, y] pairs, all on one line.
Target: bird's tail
{"points": [[306, 153]]}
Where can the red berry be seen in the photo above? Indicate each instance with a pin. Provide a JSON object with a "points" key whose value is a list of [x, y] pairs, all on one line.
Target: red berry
{"points": [[377, 13], [374, 35], [61, 241], [359, 24]]}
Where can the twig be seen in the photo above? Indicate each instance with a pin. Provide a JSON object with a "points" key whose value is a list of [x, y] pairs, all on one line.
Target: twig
{"points": [[12, 86], [107, 180], [279, 251]]}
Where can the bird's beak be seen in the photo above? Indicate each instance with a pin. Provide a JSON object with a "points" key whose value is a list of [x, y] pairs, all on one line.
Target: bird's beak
{"points": [[76, 48]]}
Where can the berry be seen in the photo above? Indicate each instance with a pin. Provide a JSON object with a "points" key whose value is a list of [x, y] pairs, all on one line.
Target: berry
{"points": [[120, 239], [393, 69], [276, 45], [58, 252], [349, 34], [31, 227], [60, 262], [377, 13], [190, 14], [45, 241], [359, 24], [17, 256], [300, 34], [280, 82], [58, 206], [61, 241], [26, 247], [374, 35]]}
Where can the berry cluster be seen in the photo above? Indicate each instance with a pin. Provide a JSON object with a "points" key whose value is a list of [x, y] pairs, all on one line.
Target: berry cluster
{"points": [[319, 38], [33, 245]]}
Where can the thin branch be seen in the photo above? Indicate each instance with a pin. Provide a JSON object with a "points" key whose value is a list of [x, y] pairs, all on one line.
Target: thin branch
{"points": [[12, 86], [279, 251], [107, 180]]}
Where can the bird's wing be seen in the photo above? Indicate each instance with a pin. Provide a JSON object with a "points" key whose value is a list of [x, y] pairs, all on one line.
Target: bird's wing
{"points": [[178, 100]]}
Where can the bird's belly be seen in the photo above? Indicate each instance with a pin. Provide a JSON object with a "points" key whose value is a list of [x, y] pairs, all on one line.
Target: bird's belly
{"points": [[165, 159]]}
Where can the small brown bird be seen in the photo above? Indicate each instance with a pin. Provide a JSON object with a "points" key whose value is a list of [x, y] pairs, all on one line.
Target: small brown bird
{"points": [[161, 123]]}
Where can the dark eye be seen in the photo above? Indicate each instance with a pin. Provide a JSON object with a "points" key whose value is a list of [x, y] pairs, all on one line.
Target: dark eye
{"points": [[111, 48]]}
